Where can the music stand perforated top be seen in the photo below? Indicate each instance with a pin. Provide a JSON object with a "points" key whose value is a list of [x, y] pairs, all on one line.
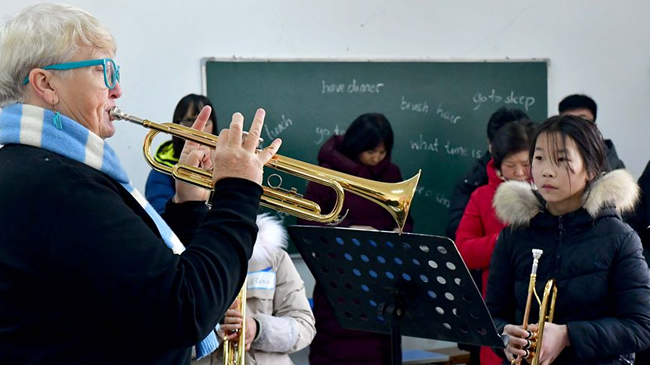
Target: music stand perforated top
{"points": [[364, 273]]}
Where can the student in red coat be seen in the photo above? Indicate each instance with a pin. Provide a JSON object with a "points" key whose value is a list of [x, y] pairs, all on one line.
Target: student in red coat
{"points": [[479, 228]]}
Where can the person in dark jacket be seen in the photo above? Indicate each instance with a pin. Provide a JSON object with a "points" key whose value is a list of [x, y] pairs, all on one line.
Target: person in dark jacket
{"points": [[161, 187], [89, 272], [585, 107], [479, 228], [601, 312], [640, 220], [475, 178], [363, 151]]}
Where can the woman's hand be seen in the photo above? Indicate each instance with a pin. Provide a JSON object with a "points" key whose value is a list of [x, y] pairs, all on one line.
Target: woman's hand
{"points": [[238, 157], [194, 155]]}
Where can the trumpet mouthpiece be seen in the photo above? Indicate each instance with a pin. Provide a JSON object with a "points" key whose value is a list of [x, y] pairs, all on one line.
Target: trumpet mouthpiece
{"points": [[116, 113]]}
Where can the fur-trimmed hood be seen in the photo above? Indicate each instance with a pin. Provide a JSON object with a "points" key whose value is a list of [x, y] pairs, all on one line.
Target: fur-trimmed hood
{"points": [[516, 203], [272, 236]]}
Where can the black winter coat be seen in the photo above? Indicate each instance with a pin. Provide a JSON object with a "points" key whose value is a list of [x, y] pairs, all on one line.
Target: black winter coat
{"points": [[602, 278], [613, 160], [640, 220], [463, 190], [85, 277]]}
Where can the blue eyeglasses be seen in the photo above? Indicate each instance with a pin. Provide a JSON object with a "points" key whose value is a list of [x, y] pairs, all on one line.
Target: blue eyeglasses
{"points": [[111, 71]]}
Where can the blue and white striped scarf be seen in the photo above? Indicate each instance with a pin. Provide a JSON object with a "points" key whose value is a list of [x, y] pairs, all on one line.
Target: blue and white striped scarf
{"points": [[34, 126]]}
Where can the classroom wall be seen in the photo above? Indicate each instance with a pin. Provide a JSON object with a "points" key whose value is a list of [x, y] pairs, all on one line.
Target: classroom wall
{"points": [[598, 47]]}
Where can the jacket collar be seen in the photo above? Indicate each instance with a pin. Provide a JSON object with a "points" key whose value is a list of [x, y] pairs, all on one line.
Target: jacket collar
{"points": [[271, 236], [493, 176], [516, 203], [330, 155]]}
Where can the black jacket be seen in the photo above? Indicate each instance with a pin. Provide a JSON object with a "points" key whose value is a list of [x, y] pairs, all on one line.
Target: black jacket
{"points": [[640, 220], [463, 190], [85, 277], [615, 163], [602, 279]]}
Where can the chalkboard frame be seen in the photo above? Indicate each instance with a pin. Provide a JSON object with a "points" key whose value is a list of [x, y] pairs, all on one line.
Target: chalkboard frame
{"points": [[406, 173]]}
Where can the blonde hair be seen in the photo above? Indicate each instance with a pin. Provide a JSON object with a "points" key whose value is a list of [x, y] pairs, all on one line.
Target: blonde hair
{"points": [[42, 35]]}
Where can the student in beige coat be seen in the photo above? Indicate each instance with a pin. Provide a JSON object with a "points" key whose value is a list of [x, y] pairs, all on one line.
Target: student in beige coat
{"points": [[279, 320]]}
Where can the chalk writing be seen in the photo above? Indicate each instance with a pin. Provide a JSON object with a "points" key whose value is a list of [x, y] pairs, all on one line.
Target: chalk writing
{"points": [[422, 107], [439, 198], [518, 100], [352, 87], [421, 190], [447, 115], [443, 200], [448, 148], [272, 133], [324, 133], [425, 145], [455, 150]]}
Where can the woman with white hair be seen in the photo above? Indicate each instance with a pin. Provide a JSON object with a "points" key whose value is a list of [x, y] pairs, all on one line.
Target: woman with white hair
{"points": [[89, 272]]}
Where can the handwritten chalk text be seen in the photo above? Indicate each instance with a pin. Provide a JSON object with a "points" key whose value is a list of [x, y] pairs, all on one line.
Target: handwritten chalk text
{"points": [[353, 87], [324, 133], [447, 148], [421, 107], [510, 99], [447, 115], [273, 133]]}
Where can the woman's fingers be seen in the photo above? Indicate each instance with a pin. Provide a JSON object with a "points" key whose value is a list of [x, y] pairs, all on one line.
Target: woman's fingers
{"points": [[236, 129], [267, 153], [253, 137]]}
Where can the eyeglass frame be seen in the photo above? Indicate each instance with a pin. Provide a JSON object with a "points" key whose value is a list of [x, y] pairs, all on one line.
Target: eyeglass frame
{"points": [[87, 63]]}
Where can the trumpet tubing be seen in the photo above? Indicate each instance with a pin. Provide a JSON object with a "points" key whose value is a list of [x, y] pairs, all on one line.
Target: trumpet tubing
{"points": [[234, 352], [546, 309], [396, 198]]}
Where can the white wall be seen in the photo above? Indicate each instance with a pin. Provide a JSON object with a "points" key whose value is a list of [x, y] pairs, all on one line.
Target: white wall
{"points": [[598, 47]]}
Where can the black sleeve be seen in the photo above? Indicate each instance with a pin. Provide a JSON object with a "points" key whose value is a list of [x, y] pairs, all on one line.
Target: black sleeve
{"points": [[500, 295], [457, 205], [463, 190], [106, 253], [628, 329], [613, 160], [640, 219], [184, 219]]}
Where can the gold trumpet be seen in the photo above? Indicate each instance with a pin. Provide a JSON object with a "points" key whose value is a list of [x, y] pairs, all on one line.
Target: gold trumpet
{"points": [[394, 197], [234, 352], [546, 310]]}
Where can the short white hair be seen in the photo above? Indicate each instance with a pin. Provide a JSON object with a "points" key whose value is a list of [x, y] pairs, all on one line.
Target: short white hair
{"points": [[42, 35]]}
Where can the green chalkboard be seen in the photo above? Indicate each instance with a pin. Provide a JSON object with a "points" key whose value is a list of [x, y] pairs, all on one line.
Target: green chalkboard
{"points": [[438, 110]]}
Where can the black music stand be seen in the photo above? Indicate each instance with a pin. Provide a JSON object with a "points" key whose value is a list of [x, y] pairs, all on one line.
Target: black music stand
{"points": [[409, 284]]}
